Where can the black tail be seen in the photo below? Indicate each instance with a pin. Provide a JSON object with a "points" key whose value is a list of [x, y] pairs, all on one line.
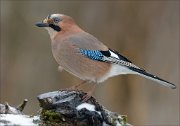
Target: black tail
{"points": [[147, 75]]}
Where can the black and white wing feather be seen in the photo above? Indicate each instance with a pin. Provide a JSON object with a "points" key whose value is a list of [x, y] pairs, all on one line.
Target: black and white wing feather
{"points": [[123, 65]]}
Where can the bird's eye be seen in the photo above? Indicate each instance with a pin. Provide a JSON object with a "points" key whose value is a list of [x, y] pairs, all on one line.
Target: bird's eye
{"points": [[56, 20]]}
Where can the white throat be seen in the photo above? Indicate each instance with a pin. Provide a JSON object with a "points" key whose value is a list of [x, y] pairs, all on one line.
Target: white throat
{"points": [[51, 32]]}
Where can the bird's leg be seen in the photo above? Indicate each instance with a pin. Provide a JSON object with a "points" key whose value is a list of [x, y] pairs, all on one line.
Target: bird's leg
{"points": [[89, 93], [75, 87]]}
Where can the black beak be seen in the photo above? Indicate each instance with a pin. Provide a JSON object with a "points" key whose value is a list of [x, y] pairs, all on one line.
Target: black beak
{"points": [[41, 24]]}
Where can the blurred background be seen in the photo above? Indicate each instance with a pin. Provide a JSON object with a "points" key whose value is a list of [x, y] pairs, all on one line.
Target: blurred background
{"points": [[147, 32]]}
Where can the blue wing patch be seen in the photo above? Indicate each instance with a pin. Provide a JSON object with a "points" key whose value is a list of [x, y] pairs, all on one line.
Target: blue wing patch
{"points": [[92, 54]]}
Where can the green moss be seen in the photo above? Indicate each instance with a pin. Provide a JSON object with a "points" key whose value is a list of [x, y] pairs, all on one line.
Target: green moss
{"points": [[52, 118], [124, 119], [114, 121]]}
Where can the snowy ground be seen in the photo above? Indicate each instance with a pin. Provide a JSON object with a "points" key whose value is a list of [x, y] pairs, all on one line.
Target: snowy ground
{"points": [[20, 120]]}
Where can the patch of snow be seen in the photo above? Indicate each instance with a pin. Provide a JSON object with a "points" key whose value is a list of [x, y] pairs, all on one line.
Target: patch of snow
{"points": [[20, 120], [105, 124], [117, 123], [87, 106]]}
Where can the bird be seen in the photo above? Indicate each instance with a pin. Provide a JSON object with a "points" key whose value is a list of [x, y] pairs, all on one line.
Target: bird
{"points": [[83, 55]]}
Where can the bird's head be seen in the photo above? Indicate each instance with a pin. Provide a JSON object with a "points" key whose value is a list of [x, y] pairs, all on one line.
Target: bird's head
{"points": [[51, 21], [56, 23]]}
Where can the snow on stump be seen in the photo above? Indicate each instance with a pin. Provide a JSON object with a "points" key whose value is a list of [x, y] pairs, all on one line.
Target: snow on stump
{"points": [[62, 108]]}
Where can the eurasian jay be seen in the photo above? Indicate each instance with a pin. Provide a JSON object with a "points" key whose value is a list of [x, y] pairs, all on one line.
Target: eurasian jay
{"points": [[84, 56]]}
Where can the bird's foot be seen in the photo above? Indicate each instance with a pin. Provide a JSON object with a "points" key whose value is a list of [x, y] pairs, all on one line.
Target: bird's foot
{"points": [[75, 87], [89, 94], [86, 97]]}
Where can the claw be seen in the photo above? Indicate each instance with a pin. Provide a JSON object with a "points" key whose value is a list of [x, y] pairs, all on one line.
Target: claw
{"points": [[89, 94]]}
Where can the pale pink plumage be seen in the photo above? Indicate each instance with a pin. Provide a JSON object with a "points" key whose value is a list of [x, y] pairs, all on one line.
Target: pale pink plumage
{"points": [[97, 62]]}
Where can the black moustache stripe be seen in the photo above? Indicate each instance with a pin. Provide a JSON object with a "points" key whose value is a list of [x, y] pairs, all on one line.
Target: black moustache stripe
{"points": [[55, 27]]}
